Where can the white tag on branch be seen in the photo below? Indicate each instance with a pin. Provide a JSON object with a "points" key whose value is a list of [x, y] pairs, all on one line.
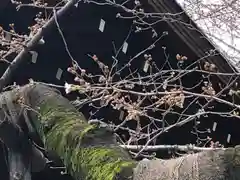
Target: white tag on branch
{"points": [[102, 25], [7, 36], [121, 115], [125, 47], [146, 66], [214, 126], [228, 138], [34, 56], [59, 73]]}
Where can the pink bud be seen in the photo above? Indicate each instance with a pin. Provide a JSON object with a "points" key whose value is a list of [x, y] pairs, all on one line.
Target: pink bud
{"points": [[77, 79], [69, 69]]}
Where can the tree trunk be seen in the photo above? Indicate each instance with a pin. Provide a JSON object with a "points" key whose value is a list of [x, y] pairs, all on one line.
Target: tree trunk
{"points": [[90, 152]]}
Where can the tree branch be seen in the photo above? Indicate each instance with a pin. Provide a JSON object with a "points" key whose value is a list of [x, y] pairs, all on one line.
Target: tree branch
{"points": [[35, 39], [186, 148]]}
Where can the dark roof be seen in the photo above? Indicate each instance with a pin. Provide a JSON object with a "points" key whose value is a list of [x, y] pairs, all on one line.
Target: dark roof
{"points": [[4, 3], [194, 38], [191, 34]]}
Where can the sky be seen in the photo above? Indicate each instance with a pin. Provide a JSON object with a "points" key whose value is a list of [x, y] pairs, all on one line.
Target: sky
{"points": [[220, 32]]}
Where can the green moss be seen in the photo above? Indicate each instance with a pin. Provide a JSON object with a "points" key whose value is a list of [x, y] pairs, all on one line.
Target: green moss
{"points": [[99, 163], [68, 134]]}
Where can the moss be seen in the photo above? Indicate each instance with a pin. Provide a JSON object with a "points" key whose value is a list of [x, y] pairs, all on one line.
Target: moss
{"points": [[72, 138], [99, 163]]}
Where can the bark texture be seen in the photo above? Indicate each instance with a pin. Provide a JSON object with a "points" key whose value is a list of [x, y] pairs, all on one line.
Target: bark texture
{"points": [[90, 152], [210, 165]]}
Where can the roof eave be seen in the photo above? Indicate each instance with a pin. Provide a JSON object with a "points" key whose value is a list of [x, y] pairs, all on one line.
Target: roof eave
{"points": [[194, 39]]}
